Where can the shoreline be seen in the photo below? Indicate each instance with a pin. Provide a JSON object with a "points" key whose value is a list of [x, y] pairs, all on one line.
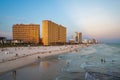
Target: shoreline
{"points": [[22, 61]]}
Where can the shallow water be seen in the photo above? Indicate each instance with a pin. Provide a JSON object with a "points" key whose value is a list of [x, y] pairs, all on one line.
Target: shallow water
{"points": [[96, 62]]}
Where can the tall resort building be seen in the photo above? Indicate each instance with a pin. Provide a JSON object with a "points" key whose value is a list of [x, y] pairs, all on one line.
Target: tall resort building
{"points": [[78, 37], [28, 33], [52, 33]]}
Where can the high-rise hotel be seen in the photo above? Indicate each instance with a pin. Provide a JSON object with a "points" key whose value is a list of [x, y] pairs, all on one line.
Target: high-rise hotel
{"points": [[53, 33], [78, 37], [28, 33]]}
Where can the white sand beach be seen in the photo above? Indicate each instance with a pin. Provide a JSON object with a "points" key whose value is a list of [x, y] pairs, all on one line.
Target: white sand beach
{"points": [[16, 57]]}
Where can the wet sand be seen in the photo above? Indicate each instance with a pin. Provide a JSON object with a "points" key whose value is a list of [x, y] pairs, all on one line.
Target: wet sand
{"points": [[88, 63], [30, 55]]}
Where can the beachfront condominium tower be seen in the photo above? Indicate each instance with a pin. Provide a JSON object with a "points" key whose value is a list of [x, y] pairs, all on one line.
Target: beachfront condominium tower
{"points": [[78, 37], [28, 33], [52, 33]]}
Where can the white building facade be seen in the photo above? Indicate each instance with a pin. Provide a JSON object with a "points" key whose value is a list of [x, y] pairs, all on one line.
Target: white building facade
{"points": [[78, 37]]}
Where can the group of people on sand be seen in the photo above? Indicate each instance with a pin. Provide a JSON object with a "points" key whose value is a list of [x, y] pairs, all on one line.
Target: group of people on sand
{"points": [[103, 60]]}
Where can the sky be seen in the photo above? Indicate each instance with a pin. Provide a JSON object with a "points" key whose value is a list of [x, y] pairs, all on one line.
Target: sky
{"points": [[99, 19]]}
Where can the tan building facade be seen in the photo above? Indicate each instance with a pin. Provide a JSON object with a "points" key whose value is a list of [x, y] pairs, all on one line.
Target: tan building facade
{"points": [[53, 33], [28, 33]]}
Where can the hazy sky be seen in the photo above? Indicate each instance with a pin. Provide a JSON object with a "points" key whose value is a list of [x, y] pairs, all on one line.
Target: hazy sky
{"points": [[98, 19]]}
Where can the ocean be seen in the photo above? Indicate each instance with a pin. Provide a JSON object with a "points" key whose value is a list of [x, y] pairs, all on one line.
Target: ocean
{"points": [[95, 62]]}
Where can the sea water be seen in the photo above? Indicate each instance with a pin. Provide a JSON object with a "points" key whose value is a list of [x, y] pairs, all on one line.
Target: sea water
{"points": [[96, 62]]}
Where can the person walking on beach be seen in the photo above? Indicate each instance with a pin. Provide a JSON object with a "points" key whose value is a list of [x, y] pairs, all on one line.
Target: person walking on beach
{"points": [[14, 74], [103, 60], [39, 57]]}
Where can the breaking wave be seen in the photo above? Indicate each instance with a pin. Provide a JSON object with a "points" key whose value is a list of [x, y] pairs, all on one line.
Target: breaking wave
{"points": [[93, 61]]}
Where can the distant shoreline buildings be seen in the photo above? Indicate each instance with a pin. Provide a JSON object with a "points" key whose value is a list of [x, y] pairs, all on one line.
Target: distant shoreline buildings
{"points": [[52, 34], [87, 41], [78, 37]]}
